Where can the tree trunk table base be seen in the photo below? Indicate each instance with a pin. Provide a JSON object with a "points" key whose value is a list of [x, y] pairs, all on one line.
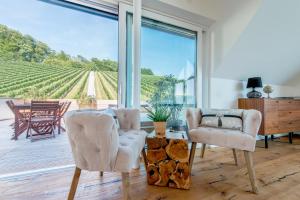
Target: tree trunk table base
{"points": [[168, 160]]}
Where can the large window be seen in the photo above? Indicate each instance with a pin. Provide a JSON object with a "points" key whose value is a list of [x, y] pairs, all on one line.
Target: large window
{"points": [[168, 60], [168, 66], [58, 51]]}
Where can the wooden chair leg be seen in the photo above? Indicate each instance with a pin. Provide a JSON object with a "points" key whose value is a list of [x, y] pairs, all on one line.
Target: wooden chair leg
{"points": [[126, 186], [235, 157], [101, 173], [27, 132], [74, 183], [192, 155], [202, 150], [59, 125], [251, 172], [145, 158]]}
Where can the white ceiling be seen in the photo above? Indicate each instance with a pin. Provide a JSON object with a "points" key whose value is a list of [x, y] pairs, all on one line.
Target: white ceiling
{"points": [[214, 9], [268, 47]]}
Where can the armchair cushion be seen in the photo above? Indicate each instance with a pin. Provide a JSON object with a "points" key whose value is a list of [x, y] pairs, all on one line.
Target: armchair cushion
{"points": [[223, 137], [228, 119], [131, 144]]}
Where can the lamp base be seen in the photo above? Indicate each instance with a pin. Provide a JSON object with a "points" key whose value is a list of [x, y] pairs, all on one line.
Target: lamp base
{"points": [[254, 94]]}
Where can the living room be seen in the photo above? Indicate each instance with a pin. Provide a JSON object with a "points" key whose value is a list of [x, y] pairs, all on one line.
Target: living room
{"points": [[149, 99]]}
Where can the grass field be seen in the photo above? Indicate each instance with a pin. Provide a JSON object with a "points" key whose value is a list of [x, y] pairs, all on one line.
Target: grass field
{"points": [[32, 80]]}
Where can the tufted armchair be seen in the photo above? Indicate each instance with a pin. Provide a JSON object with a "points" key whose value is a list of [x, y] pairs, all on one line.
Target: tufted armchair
{"points": [[244, 139], [97, 144]]}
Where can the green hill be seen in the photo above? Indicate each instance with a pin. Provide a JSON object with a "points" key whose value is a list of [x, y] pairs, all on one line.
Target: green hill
{"points": [[31, 69]]}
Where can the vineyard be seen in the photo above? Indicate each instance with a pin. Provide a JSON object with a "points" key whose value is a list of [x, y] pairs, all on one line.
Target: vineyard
{"points": [[22, 79]]}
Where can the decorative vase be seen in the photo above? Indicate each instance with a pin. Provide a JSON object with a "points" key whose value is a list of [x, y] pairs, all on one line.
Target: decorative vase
{"points": [[268, 90], [160, 128]]}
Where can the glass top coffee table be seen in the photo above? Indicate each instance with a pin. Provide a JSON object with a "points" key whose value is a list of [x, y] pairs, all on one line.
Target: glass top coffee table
{"points": [[167, 160]]}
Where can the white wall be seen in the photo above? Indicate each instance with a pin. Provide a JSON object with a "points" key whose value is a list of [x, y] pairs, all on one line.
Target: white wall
{"points": [[251, 38], [268, 47], [225, 92], [231, 16], [229, 27]]}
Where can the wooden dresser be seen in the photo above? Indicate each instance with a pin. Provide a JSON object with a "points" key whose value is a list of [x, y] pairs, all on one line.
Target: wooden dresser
{"points": [[279, 115]]}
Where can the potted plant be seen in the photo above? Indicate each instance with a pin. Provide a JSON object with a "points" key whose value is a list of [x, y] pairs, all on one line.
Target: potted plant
{"points": [[159, 115], [87, 102]]}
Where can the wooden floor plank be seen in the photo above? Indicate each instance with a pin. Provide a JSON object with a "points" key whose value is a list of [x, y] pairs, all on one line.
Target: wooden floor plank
{"points": [[213, 177]]}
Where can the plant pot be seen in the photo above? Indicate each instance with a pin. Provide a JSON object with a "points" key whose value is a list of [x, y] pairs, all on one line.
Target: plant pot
{"points": [[160, 128], [87, 105]]}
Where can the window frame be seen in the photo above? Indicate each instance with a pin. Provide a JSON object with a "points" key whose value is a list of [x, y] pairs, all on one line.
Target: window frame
{"points": [[201, 82], [203, 54]]}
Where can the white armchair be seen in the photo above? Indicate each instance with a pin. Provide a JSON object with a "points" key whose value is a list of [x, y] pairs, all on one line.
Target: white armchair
{"points": [[97, 144], [244, 139]]}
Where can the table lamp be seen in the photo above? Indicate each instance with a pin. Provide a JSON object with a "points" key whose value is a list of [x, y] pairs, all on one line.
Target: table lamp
{"points": [[254, 82]]}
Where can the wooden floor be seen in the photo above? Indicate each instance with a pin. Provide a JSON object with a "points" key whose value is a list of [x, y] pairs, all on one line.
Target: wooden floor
{"points": [[214, 177]]}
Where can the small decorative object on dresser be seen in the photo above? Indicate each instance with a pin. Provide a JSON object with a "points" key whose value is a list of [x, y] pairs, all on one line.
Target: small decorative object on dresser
{"points": [[254, 82], [268, 90], [280, 115]]}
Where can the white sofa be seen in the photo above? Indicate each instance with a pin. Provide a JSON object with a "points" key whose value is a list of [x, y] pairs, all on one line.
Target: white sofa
{"points": [[97, 144], [244, 139]]}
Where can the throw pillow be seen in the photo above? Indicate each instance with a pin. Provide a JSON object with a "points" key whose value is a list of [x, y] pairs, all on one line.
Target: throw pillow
{"points": [[227, 119]]}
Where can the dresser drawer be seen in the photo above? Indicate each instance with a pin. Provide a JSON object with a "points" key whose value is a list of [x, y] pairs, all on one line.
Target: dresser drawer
{"points": [[289, 121], [270, 105], [271, 120], [289, 105]]}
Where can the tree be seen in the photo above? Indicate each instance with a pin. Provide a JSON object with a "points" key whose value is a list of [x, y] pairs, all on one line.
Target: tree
{"points": [[147, 71], [14, 45], [104, 65], [18, 47]]}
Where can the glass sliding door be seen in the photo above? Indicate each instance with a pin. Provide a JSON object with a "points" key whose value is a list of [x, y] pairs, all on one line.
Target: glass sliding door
{"points": [[168, 58], [71, 49], [168, 67], [53, 50]]}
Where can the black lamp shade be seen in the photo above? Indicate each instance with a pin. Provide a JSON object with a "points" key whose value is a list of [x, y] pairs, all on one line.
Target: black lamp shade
{"points": [[254, 82]]}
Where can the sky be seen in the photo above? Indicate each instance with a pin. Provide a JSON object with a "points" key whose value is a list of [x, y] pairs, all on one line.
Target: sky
{"points": [[80, 33]]}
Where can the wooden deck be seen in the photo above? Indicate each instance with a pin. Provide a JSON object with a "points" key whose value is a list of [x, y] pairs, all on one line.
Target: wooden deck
{"points": [[23, 155], [214, 177]]}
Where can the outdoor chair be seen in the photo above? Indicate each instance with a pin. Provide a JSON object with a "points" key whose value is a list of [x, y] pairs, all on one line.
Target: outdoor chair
{"points": [[42, 118], [21, 118], [235, 129], [63, 108], [98, 144]]}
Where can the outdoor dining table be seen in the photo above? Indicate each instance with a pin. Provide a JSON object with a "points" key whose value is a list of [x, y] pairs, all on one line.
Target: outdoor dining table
{"points": [[24, 108]]}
